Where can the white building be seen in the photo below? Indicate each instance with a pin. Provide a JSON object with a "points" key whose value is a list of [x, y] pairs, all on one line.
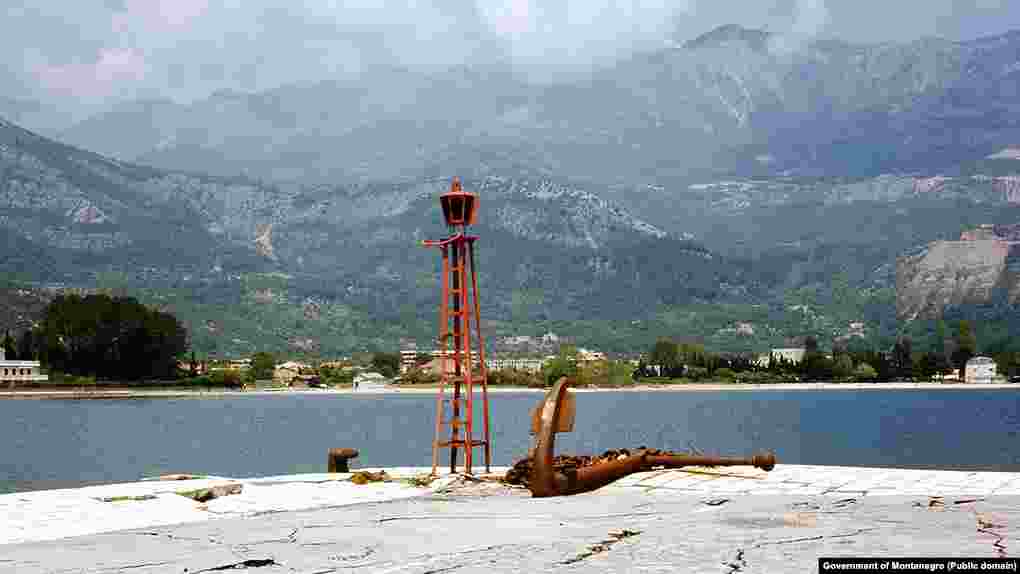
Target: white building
{"points": [[239, 364], [550, 338], [13, 372], [792, 355], [585, 356], [370, 381], [979, 370], [408, 359], [530, 365]]}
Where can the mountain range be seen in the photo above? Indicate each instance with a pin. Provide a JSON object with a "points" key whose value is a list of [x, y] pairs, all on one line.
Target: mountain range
{"points": [[733, 99], [720, 181]]}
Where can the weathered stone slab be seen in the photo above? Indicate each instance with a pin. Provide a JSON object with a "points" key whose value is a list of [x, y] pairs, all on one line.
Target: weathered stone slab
{"points": [[698, 520], [580, 533]]}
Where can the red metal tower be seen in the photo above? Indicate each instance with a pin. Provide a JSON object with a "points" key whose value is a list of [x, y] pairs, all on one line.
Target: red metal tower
{"points": [[457, 367]]}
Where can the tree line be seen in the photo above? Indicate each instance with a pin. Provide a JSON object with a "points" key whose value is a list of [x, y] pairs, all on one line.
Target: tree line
{"points": [[566, 363], [114, 338], [853, 359]]}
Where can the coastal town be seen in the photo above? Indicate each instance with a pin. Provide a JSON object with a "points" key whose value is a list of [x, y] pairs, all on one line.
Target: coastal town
{"points": [[415, 365]]}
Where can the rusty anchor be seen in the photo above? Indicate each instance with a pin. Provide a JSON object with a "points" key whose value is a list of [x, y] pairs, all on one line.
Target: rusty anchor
{"points": [[556, 414]]}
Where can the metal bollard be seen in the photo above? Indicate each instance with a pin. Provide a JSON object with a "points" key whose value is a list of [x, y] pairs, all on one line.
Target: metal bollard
{"points": [[339, 458]]}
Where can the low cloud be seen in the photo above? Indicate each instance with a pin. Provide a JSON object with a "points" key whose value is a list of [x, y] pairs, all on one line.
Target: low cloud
{"points": [[90, 53], [113, 69]]}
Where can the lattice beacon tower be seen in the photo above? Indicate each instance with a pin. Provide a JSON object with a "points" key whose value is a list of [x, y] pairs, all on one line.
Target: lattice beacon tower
{"points": [[458, 309]]}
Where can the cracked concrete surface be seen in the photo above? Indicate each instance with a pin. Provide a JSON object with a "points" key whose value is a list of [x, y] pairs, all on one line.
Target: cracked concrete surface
{"points": [[444, 533], [49, 515], [695, 520]]}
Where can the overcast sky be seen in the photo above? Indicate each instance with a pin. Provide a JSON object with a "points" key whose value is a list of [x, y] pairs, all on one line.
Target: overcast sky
{"points": [[88, 53]]}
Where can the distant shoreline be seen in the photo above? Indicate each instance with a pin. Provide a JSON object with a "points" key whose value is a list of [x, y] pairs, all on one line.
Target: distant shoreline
{"points": [[429, 390]]}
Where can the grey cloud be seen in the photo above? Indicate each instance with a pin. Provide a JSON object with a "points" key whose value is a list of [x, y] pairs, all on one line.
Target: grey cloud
{"points": [[90, 53]]}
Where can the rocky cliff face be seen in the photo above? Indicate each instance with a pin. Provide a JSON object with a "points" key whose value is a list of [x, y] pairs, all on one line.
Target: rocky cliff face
{"points": [[549, 248], [72, 212], [949, 273]]}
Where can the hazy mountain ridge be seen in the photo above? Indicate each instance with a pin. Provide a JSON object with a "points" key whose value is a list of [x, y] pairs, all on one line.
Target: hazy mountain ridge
{"points": [[735, 99], [90, 211], [549, 250], [599, 196]]}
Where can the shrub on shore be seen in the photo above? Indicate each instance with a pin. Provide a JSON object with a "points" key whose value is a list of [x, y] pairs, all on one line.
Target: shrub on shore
{"points": [[226, 379], [336, 377], [71, 380], [515, 378], [418, 376]]}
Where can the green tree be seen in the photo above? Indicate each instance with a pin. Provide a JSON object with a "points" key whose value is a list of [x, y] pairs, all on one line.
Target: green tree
{"points": [[842, 366], [193, 365], [696, 373], [724, 374], [563, 365], [902, 358], [940, 337], [966, 345], [336, 376], [516, 378], [927, 366], [226, 378], [666, 355], [27, 348], [865, 372], [942, 365], [10, 349], [263, 365], [620, 373], [693, 354], [594, 373], [1008, 364], [816, 367], [386, 364], [110, 337]]}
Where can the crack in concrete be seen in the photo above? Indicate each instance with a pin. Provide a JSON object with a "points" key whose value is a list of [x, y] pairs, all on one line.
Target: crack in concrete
{"points": [[421, 560], [133, 566], [250, 563], [602, 546], [290, 539], [514, 516], [814, 538], [985, 526], [738, 563], [351, 557], [446, 569], [1000, 548], [968, 500], [844, 502], [167, 534]]}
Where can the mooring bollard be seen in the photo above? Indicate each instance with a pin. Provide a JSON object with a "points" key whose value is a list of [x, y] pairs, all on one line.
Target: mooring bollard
{"points": [[339, 458]]}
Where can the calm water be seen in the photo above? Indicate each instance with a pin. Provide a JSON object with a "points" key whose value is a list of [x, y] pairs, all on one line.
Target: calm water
{"points": [[60, 443]]}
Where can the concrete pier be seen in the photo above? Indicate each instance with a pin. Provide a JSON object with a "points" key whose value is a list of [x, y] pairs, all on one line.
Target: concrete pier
{"points": [[694, 520]]}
